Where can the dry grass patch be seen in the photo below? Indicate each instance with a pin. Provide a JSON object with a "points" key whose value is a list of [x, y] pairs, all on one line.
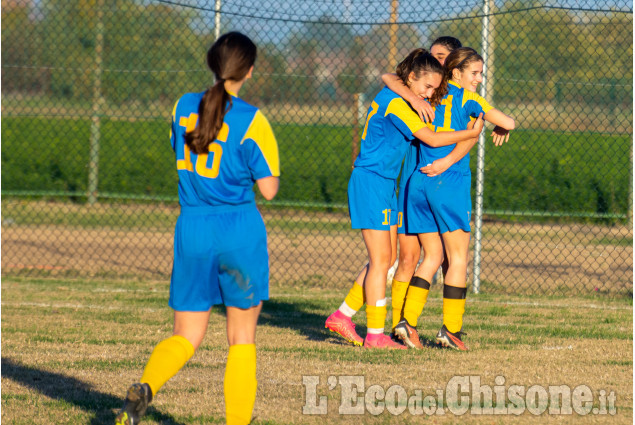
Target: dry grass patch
{"points": [[71, 347]]}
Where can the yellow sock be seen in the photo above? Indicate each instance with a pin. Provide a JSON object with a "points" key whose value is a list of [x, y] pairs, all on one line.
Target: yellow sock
{"points": [[415, 300], [453, 307], [167, 358], [398, 295], [376, 318], [240, 383], [355, 297]]}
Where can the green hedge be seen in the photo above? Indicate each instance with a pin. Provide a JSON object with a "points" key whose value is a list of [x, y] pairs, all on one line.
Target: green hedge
{"points": [[536, 171]]}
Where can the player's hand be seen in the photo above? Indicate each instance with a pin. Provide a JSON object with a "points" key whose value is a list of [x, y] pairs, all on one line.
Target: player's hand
{"points": [[424, 109], [500, 135], [479, 123], [436, 168]]}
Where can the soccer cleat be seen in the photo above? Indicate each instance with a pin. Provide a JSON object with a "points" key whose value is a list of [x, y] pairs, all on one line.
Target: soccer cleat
{"points": [[407, 334], [344, 327], [451, 340], [382, 341], [137, 400]]}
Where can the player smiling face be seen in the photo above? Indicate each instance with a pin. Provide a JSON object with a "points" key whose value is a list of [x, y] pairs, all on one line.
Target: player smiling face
{"points": [[470, 77], [425, 85]]}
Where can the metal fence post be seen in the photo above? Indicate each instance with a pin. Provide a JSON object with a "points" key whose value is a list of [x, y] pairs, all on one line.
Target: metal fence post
{"points": [[486, 35], [93, 161], [217, 20]]}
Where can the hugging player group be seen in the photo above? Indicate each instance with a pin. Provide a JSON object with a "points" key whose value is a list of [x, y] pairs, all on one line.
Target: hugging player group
{"points": [[433, 204]]}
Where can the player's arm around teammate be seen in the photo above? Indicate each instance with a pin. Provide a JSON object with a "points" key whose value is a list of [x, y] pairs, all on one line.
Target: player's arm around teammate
{"points": [[223, 146], [390, 125]]}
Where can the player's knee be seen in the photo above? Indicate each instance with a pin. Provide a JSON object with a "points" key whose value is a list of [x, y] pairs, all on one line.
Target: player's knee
{"points": [[380, 262], [408, 261], [195, 338], [437, 260], [457, 262], [393, 258]]}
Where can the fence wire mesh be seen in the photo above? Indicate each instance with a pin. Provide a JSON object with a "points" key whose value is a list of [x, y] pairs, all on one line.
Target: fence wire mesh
{"points": [[88, 176]]}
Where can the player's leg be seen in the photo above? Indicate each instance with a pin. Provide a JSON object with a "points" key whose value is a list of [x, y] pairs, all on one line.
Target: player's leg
{"points": [[409, 254], [244, 285], [379, 246], [171, 354], [454, 289], [439, 276], [340, 321], [191, 297], [240, 371], [368, 209], [409, 246], [451, 205], [167, 358], [418, 289]]}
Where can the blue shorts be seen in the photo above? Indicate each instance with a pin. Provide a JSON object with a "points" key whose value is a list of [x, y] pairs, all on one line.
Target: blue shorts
{"points": [[439, 204], [372, 200], [220, 257], [402, 205]]}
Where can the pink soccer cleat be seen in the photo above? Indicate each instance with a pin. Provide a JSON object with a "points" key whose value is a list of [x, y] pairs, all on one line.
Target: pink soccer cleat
{"points": [[382, 341], [343, 326]]}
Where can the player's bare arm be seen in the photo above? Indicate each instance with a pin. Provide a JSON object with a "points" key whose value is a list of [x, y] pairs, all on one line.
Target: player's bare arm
{"points": [[421, 106], [449, 137], [504, 124], [441, 165], [268, 186]]}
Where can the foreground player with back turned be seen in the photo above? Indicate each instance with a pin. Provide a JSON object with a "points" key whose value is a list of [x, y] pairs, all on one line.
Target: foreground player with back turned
{"points": [[223, 145]]}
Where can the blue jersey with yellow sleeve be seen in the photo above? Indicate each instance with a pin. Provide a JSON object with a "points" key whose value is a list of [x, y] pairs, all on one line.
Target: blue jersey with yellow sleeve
{"points": [[390, 124], [244, 151], [454, 113]]}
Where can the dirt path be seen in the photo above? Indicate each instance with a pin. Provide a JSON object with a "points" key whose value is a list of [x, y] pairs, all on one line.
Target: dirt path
{"points": [[516, 258]]}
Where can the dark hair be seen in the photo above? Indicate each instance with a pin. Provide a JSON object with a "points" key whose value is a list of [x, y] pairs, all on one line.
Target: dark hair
{"points": [[459, 59], [448, 42], [229, 58], [420, 61]]}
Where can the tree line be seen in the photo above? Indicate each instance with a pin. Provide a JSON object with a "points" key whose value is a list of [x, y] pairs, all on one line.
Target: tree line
{"points": [[155, 51]]}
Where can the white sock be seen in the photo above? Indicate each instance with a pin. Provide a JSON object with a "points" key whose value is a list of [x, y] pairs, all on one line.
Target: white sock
{"points": [[346, 310]]}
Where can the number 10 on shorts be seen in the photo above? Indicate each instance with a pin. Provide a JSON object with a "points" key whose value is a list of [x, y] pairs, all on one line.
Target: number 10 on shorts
{"points": [[386, 214]]}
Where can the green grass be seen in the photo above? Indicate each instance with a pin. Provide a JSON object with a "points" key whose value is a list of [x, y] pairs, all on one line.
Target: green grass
{"points": [[66, 365], [586, 173]]}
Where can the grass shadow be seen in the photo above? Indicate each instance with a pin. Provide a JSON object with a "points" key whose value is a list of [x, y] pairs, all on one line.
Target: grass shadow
{"points": [[429, 342], [71, 390], [297, 316]]}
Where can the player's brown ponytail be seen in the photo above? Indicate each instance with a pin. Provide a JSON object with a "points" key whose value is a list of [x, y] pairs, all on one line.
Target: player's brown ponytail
{"points": [[420, 61], [230, 58]]}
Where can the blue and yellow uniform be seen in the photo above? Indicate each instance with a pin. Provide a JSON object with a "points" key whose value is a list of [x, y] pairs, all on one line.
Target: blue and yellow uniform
{"points": [[220, 241], [390, 125], [443, 203], [407, 170]]}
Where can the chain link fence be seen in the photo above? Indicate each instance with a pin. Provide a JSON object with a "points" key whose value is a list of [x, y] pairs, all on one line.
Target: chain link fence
{"points": [[89, 186]]}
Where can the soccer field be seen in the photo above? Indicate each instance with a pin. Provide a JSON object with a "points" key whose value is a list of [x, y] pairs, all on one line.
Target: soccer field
{"points": [[70, 348]]}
